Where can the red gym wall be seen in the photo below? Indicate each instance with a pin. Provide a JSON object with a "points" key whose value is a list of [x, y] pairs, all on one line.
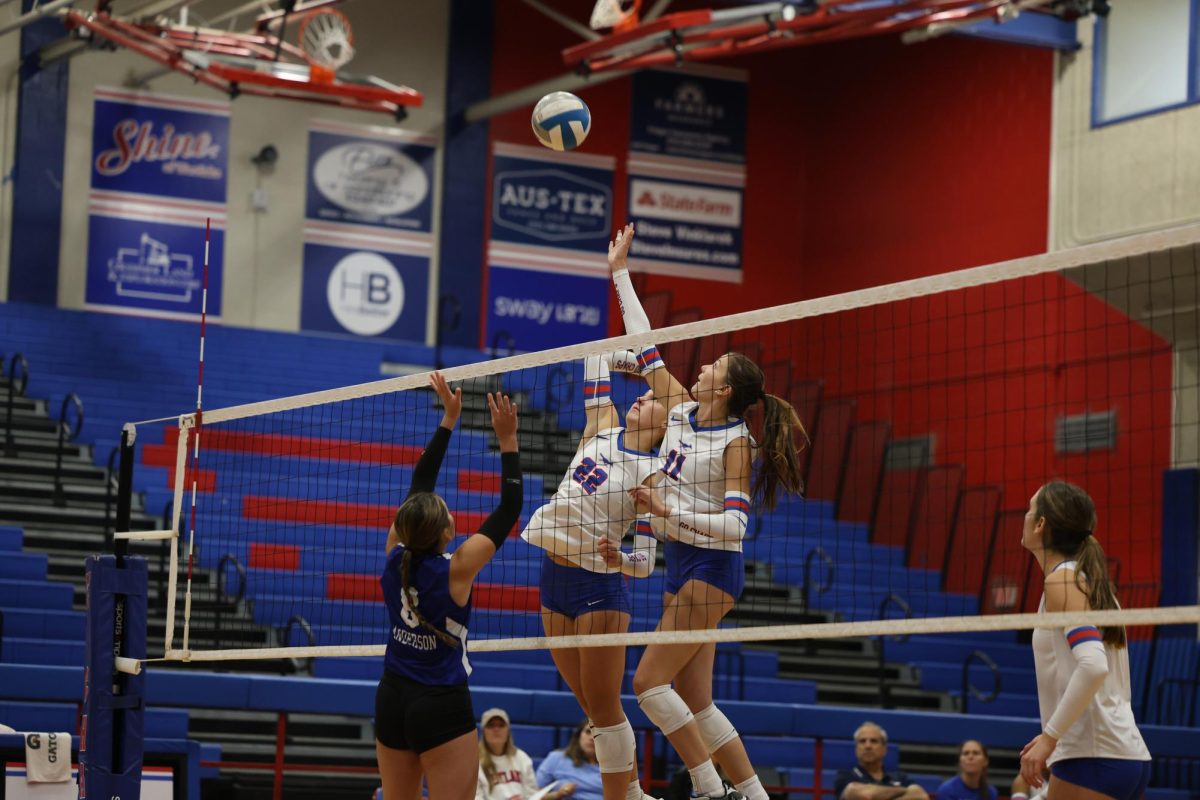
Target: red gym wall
{"points": [[871, 162]]}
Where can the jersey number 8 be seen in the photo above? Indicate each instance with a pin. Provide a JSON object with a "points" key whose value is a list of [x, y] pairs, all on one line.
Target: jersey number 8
{"points": [[406, 611], [589, 476]]}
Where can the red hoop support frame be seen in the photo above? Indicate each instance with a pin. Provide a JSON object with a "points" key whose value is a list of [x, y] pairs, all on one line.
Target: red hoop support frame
{"points": [[197, 53], [702, 36]]}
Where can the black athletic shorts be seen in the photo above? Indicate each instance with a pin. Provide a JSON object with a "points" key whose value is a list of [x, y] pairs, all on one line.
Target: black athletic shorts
{"points": [[415, 716]]}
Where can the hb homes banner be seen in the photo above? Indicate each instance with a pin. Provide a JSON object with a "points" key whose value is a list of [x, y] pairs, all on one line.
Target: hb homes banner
{"points": [[547, 258], [159, 169], [687, 172], [367, 231]]}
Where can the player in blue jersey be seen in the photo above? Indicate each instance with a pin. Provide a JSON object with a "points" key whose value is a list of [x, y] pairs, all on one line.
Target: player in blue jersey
{"points": [[701, 505], [424, 721], [579, 528]]}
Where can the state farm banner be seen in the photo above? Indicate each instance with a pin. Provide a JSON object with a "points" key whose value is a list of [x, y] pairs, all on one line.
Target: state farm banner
{"points": [[547, 257], [367, 231], [159, 173], [687, 172]]}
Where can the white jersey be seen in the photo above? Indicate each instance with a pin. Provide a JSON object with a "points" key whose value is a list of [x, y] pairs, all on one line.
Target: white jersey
{"points": [[1107, 728], [592, 501], [514, 779], [693, 466]]}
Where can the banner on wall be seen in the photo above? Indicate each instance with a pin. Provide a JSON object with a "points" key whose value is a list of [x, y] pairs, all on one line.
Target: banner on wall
{"points": [[367, 231], [547, 268], [159, 172], [687, 173]]}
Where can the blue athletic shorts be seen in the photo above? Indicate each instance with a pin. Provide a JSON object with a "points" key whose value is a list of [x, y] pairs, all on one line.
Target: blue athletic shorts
{"points": [[722, 569], [575, 591], [1120, 778]]}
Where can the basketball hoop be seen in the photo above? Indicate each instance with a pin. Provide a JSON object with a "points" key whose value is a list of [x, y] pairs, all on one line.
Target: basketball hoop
{"points": [[616, 14], [328, 42]]}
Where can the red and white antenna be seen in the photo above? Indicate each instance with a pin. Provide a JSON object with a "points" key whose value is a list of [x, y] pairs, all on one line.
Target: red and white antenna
{"points": [[195, 465]]}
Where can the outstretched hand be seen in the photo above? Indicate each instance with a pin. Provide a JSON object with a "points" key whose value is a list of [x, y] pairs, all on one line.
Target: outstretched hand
{"points": [[451, 400], [618, 249], [504, 420]]}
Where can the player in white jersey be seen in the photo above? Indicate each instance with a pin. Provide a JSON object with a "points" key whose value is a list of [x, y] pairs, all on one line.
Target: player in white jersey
{"points": [[702, 508], [1089, 738], [580, 592]]}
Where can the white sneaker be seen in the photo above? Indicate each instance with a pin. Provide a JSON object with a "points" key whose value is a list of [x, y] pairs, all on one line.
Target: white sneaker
{"points": [[727, 793]]}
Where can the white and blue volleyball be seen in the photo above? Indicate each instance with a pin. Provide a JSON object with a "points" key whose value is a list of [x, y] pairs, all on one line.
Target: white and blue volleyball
{"points": [[561, 121]]}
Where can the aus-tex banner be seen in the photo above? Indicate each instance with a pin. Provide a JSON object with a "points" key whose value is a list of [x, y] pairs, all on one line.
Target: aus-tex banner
{"points": [[687, 173], [159, 171], [551, 218], [367, 231]]}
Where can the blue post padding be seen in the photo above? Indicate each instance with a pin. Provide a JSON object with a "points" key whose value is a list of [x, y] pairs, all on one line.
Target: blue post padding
{"points": [[1180, 529], [113, 726]]}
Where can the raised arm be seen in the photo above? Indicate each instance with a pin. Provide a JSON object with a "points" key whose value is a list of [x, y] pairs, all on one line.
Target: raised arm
{"points": [[430, 463], [597, 397], [664, 385], [479, 548]]}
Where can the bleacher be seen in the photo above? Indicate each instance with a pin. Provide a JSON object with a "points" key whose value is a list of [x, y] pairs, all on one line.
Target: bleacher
{"points": [[151, 374]]}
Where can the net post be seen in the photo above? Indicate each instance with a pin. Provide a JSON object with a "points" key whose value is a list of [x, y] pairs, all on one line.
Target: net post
{"points": [[176, 515], [111, 744]]}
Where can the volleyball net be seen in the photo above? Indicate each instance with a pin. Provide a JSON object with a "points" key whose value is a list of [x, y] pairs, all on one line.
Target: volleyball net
{"points": [[935, 408]]}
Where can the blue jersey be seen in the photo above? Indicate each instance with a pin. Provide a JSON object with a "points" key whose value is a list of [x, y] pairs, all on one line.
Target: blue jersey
{"points": [[413, 650], [955, 789]]}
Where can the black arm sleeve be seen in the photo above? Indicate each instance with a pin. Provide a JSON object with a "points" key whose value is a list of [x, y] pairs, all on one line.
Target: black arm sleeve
{"points": [[430, 463], [501, 521]]}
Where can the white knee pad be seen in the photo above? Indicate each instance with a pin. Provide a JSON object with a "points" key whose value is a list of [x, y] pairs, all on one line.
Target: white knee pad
{"points": [[616, 749], [665, 708], [715, 728]]}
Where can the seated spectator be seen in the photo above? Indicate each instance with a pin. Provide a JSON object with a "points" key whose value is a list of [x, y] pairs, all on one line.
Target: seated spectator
{"points": [[574, 768], [971, 782], [868, 780], [505, 771]]}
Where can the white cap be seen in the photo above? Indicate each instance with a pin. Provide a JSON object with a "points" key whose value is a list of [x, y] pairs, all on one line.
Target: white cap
{"points": [[492, 713]]}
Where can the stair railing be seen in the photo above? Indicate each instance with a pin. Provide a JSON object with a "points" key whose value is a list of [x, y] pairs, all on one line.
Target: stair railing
{"points": [[899, 602], [298, 664], [110, 473], [970, 688], [827, 584], [224, 601], [16, 387], [65, 434]]}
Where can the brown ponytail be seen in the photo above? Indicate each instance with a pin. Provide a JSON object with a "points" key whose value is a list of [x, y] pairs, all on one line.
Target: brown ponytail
{"points": [[1070, 519], [780, 466], [420, 522]]}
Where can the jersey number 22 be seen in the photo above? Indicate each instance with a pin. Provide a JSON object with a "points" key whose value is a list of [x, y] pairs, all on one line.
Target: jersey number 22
{"points": [[589, 476]]}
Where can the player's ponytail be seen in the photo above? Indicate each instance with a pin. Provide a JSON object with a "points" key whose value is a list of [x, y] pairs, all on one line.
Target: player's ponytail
{"points": [[779, 468], [420, 522], [1070, 519]]}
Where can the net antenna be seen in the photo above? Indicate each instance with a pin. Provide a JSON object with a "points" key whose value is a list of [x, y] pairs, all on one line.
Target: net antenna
{"points": [[619, 15], [260, 61]]}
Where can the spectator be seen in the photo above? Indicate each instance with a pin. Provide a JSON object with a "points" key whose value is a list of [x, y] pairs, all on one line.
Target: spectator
{"points": [[971, 782], [505, 770], [868, 780], [574, 767]]}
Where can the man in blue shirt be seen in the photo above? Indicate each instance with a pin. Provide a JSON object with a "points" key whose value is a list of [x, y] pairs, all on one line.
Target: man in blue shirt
{"points": [[868, 780]]}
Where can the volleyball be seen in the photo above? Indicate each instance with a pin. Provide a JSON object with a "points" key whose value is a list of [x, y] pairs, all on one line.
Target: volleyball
{"points": [[561, 121]]}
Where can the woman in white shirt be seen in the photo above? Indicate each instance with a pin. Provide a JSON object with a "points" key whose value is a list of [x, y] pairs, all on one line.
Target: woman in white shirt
{"points": [[1089, 738], [505, 770]]}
